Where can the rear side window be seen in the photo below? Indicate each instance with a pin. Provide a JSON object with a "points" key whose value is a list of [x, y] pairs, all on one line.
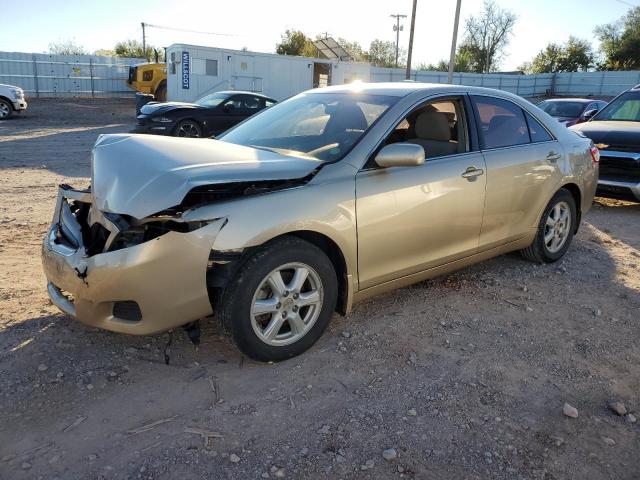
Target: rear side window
{"points": [[537, 131], [501, 123]]}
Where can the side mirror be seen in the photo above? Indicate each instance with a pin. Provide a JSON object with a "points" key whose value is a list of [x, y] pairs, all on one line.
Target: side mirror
{"points": [[589, 113], [400, 155], [228, 108]]}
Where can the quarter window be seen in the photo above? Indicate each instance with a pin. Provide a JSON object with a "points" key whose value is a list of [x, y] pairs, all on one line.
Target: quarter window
{"points": [[537, 131]]}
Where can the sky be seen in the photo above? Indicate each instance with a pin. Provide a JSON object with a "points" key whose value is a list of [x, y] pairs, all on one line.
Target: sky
{"points": [[258, 24]]}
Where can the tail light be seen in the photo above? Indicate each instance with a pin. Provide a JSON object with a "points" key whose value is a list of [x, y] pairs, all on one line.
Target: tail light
{"points": [[595, 154]]}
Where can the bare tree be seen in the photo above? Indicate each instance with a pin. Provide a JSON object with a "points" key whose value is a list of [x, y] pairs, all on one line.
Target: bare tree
{"points": [[487, 36], [67, 47]]}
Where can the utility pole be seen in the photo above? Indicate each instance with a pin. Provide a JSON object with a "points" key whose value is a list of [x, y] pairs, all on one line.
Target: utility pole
{"points": [[397, 28], [413, 24], [144, 42], [452, 56]]}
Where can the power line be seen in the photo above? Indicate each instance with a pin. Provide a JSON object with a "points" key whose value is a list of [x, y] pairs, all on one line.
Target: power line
{"points": [[627, 3], [163, 27]]}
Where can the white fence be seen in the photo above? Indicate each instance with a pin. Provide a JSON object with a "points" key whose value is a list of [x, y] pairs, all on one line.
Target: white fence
{"points": [[45, 75], [606, 84]]}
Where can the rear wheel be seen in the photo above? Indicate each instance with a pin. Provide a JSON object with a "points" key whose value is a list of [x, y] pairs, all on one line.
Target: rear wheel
{"points": [[6, 110], [188, 128], [161, 93], [555, 230], [280, 301]]}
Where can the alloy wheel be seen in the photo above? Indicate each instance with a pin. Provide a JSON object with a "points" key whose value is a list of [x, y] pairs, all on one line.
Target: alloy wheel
{"points": [[5, 110], [188, 129], [557, 227], [286, 304]]}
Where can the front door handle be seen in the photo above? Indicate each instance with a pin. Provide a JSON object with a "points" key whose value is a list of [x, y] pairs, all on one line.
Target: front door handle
{"points": [[472, 172], [553, 157]]}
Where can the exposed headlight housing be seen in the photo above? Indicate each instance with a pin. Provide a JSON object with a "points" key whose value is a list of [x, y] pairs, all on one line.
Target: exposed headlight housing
{"points": [[17, 93], [161, 119]]}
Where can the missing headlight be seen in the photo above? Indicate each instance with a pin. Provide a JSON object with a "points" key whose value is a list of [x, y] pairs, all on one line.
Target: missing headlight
{"points": [[152, 229]]}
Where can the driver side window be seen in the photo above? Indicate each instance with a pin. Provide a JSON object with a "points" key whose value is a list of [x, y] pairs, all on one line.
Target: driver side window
{"points": [[438, 126], [233, 102]]}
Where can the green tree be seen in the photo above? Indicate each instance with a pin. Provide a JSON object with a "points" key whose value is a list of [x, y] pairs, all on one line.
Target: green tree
{"points": [[620, 42], [105, 52], [133, 49], [354, 49], [295, 42], [574, 56], [66, 47], [486, 37], [462, 64], [383, 54]]}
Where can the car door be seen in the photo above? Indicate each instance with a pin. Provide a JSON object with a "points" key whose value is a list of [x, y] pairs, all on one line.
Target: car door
{"points": [[524, 168], [411, 219], [227, 114]]}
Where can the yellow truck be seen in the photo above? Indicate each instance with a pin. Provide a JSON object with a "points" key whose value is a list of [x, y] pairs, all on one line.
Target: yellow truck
{"points": [[149, 78]]}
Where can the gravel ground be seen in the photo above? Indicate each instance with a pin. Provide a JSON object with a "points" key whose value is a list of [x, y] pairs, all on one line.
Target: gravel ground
{"points": [[461, 377]]}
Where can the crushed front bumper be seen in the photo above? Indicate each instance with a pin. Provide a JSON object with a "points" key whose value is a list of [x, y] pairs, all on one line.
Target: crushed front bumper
{"points": [[165, 277]]}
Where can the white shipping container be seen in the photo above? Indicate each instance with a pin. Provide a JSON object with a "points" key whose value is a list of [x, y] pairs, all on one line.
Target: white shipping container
{"points": [[194, 71]]}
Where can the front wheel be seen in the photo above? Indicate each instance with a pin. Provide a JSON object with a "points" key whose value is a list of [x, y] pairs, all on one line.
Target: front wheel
{"points": [[6, 110], [280, 301], [188, 128], [555, 230]]}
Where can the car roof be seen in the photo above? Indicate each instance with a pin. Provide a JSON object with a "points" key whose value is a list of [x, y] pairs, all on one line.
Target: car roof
{"points": [[401, 89], [243, 92], [574, 100]]}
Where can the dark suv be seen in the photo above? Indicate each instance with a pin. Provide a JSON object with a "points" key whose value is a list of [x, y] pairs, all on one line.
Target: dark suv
{"points": [[616, 132]]}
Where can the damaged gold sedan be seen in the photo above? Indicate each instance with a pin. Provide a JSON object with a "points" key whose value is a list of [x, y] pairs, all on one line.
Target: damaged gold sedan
{"points": [[330, 197]]}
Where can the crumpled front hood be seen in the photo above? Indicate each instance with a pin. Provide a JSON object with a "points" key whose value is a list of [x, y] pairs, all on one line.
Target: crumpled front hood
{"points": [[139, 175]]}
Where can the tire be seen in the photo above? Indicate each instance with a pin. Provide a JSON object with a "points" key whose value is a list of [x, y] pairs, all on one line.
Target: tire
{"points": [[258, 335], [6, 109], [189, 129], [558, 224], [161, 92]]}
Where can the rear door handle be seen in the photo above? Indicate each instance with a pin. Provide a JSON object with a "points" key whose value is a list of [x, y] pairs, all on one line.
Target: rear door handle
{"points": [[472, 172], [553, 157]]}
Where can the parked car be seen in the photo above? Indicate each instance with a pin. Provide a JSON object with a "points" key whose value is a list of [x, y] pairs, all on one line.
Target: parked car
{"points": [[211, 115], [570, 111], [616, 131], [11, 101], [330, 197]]}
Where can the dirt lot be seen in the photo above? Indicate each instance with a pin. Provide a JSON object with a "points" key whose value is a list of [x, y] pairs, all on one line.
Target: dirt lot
{"points": [[465, 377]]}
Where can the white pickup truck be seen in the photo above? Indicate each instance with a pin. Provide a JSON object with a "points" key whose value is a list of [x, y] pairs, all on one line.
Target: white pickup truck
{"points": [[11, 101]]}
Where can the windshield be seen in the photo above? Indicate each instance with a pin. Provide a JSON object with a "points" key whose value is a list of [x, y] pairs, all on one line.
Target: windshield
{"points": [[563, 109], [213, 100], [320, 125], [624, 108]]}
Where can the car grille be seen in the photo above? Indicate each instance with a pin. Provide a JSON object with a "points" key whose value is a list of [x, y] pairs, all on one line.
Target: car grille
{"points": [[620, 168]]}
